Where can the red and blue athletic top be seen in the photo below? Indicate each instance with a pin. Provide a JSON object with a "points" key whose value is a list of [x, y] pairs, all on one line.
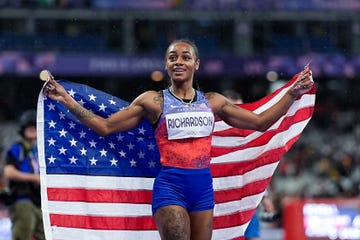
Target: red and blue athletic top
{"points": [[184, 132]]}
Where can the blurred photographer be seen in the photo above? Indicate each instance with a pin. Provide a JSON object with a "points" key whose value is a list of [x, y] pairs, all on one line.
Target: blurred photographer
{"points": [[21, 171]]}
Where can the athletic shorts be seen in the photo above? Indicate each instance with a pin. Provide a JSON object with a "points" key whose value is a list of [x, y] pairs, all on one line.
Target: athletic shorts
{"points": [[253, 229], [190, 188]]}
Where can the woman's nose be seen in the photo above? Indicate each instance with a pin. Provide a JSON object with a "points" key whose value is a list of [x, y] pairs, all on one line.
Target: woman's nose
{"points": [[179, 61]]}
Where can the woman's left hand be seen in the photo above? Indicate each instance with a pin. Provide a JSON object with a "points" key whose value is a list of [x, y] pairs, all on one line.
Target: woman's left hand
{"points": [[304, 82]]}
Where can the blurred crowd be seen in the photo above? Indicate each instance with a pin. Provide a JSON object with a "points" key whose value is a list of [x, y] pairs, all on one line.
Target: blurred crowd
{"points": [[323, 163], [45, 3], [325, 160], [180, 4]]}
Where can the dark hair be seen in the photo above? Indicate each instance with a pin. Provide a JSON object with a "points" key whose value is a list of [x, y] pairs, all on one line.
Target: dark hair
{"points": [[27, 119], [187, 41]]}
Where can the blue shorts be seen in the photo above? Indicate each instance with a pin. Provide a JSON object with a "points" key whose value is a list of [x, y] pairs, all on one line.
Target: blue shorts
{"points": [[190, 188], [253, 229]]}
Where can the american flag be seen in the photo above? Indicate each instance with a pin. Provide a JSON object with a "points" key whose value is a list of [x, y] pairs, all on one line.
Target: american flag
{"points": [[100, 187]]}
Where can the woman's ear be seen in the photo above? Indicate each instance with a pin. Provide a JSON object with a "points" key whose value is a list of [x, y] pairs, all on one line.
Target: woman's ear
{"points": [[197, 64]]}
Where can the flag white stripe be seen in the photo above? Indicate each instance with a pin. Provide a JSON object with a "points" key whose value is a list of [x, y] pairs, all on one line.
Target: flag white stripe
{"points": [[272, 101], [134, 210], [42, 165], [220, 183], [40, 131], [99, 182], [307, 100], [253, 152], [229, 233], [60, 233], [99, 209], [246, 203], [233, 141], [230, 182]]}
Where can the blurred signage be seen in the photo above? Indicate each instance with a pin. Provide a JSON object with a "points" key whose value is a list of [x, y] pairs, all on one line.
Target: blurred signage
{"points": [[138, 4], [115, 65], [322, 219], [226, 4], [331, 220]]}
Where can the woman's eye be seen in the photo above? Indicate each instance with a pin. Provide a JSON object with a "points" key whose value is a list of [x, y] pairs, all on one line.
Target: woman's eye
{"points": [[172, 58]]}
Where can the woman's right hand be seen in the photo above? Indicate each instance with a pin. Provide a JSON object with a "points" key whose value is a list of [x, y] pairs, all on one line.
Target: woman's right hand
{"points": [[54, 90]]}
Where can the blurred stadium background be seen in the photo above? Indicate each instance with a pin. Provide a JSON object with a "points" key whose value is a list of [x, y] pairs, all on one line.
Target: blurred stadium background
{"points": [[246, 45]]}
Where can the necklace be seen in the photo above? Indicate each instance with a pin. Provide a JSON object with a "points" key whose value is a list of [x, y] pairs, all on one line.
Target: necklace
{"points": [[180, 99]]}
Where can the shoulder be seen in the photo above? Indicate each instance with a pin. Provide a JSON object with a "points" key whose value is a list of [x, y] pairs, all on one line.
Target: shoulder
{"points": [[149, 96], [212, 95], [150, 101], [15, 147], [14, 151], [216, 100]]}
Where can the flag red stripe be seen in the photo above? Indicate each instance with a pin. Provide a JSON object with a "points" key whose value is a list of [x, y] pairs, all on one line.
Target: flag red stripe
{"points": [[99, 195], [103, 223], [255, 105], [250, 189], [232, 220], [107, 196], [137, 223], [240, 168], [239, 238], [300, 115]]}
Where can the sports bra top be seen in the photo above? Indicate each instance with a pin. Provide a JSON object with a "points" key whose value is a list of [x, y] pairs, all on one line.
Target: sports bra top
{"points": [[184, 132]]}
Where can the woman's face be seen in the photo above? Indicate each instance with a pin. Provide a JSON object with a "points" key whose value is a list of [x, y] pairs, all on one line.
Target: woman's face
{"points": [[181, 62]]}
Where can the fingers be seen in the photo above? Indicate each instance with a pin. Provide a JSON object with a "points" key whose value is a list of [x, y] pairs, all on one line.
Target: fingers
{"points": [[306, 75], [50, 86], [51, 82], [305, 80], [51, 76]]}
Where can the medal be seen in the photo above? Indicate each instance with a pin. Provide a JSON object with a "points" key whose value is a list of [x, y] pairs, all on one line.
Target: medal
{"points": [[45, 75]]}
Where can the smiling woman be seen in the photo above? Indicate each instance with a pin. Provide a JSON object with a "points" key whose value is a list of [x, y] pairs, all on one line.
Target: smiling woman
{"points": [[183, 119], [182, 60]]}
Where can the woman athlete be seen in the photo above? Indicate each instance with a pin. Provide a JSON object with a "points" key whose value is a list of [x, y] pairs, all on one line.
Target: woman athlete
{"points": [[183, 196]]}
